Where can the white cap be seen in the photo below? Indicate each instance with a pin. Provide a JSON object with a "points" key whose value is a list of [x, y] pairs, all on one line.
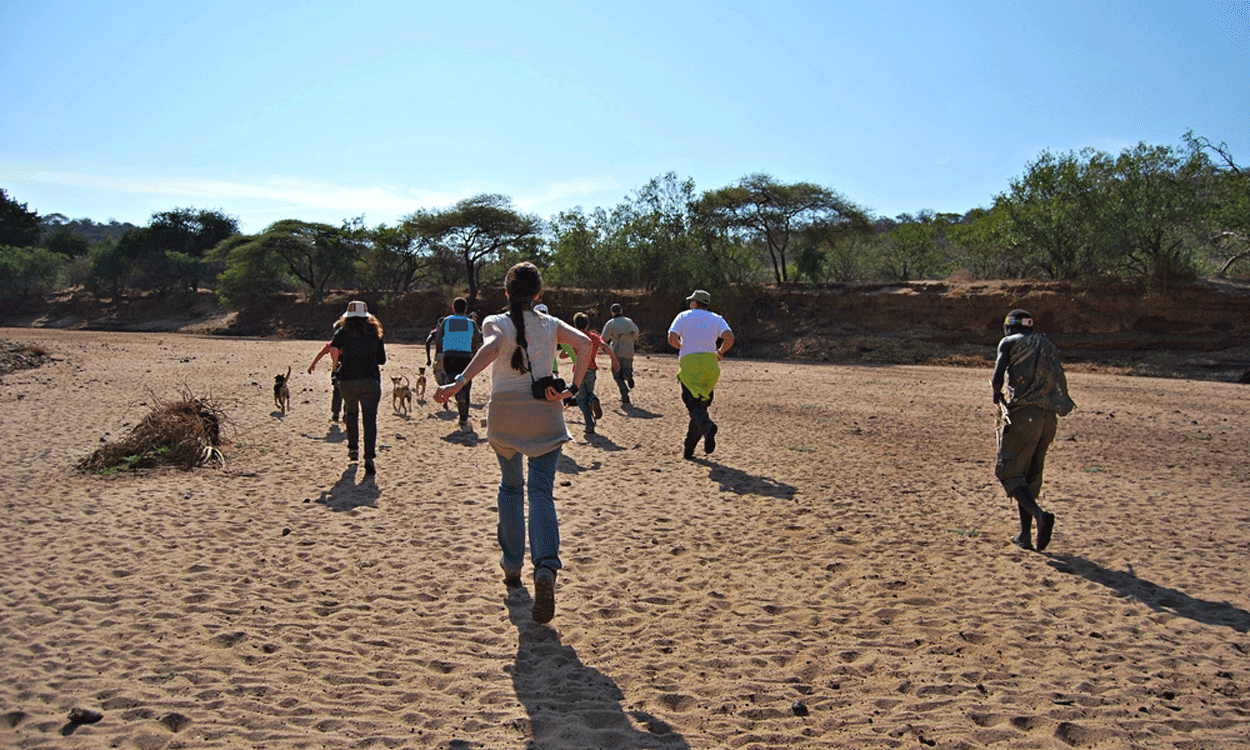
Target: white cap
{"points": [[356, 309]]}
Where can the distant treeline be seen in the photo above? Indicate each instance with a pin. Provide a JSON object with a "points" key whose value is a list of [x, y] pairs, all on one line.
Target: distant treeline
{"points": [[1162, 214], [93, 232]]}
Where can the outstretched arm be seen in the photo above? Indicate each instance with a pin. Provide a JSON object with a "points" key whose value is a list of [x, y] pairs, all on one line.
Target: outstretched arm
{"points": [[492, 342]]}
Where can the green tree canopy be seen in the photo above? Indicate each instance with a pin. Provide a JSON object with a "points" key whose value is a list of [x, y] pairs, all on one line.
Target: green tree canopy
{"points": [[317, 255], [478, 231], [19, 227], [774, 213]]}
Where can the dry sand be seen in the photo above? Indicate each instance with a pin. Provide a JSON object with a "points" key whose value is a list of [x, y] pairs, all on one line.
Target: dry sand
{"points": [[846, 546]]}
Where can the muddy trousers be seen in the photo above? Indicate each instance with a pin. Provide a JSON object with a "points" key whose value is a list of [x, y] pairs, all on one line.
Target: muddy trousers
{"points": [[1022, 459]]}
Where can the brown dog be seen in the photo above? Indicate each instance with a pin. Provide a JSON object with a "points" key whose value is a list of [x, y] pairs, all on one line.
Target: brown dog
{"points": [[282, 391], [401, 395], [421, 384]]}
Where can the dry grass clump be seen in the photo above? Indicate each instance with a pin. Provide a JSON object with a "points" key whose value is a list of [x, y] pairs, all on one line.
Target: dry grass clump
{"points": [[182, 433]]}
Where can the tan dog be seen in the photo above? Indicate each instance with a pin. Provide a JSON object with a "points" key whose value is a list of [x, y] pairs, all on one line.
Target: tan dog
{"points": [[421, 384], [401, 395], [281, 391]]}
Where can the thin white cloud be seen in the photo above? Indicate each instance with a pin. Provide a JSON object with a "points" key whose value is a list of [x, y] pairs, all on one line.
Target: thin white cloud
{"points": [[280, 190], [588, 192], [268, 199]]}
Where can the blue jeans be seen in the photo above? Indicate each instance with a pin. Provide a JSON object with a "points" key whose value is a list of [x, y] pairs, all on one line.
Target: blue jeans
{"points": [[584, 394], [361, 397], [544, 530]]}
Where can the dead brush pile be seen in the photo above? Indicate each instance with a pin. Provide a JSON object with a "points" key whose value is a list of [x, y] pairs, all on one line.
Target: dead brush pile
{"points": [[14, 356], [184, 433]]}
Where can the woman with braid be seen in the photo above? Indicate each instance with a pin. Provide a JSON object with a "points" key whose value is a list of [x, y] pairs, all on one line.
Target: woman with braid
{"points": [[519, 423]]}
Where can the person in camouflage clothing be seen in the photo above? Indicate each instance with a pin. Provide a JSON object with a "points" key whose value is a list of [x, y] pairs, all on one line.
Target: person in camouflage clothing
{"points": [[1037, 395]]}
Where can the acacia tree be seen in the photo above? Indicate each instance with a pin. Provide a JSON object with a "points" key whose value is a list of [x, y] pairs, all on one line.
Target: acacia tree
{"points": [[478, 231], [317, 255], [250, 272], [775, 213]]}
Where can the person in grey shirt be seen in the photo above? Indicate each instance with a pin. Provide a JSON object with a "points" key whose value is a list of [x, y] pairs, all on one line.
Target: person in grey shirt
{"points": [[622, 335]]}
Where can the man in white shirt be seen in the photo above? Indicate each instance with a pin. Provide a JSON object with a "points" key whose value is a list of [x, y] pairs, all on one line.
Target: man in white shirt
{"points": [[701, 337]]}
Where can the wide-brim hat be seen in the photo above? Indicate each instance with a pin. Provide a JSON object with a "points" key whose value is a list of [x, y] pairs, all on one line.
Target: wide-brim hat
{"points": [[700, 295], [356, 309]]}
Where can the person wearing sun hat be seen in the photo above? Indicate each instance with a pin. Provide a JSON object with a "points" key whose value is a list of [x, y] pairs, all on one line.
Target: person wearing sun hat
{"points": [[701, 337], [1037, 395], [358, 354]]}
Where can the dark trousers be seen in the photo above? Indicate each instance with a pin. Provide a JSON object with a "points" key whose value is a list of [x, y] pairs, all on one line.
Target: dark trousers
{"points": [[454, 364], [1022, 459], [336, 397], [361, 397], [700, 420], [1022, 451]]}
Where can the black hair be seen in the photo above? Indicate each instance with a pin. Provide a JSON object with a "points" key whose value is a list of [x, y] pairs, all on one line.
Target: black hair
{"points": [[459, 305], [523, 283], [581, 321]]}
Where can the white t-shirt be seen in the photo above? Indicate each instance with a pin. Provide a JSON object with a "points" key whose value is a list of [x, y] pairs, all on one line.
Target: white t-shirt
{"points": [[698, 329], [540, 335]]}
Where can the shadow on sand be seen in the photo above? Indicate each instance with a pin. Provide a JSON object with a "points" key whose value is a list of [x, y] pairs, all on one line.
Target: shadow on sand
{"points": [[741, 483], [570, 704], [347, 495], [1158, 598]]}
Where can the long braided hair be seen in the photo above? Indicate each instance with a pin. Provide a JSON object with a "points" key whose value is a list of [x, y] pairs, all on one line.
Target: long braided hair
{"points": [[523, 283]]}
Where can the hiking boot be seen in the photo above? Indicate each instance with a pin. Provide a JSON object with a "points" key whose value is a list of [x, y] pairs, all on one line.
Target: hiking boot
{"points": [[709, 438], [1045, 528], [353, 455], [544, 595], [370, 469], [692, 440]]}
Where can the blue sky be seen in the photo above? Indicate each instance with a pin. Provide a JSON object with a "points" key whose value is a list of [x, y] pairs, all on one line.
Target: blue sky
{"points": [[324, 111]]}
